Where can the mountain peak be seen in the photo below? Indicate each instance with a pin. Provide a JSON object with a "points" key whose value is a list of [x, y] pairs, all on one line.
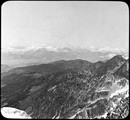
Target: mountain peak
{"points": [[117, 57]]}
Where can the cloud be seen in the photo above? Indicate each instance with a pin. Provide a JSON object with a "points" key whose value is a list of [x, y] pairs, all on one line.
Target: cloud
{"points": [[50, 48], [16, 49], [111, 55], [111, 51], [108, 55]]}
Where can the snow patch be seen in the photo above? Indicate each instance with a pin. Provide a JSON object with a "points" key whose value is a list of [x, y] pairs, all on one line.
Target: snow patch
{"points": [[9, 112]]}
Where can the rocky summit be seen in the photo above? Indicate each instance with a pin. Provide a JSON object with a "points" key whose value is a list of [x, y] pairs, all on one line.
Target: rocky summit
{"points": [[73, 89]]}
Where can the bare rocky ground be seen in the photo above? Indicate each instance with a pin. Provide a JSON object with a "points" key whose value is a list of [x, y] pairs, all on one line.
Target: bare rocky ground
{"points": [[74, 89]]}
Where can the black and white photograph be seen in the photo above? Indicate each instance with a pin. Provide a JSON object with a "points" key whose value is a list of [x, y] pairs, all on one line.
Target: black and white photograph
{"points": [[64, 60]]}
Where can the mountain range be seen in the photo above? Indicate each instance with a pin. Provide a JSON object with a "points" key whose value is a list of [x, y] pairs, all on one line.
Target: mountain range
{"points": [[30, 55], [69, 89]]}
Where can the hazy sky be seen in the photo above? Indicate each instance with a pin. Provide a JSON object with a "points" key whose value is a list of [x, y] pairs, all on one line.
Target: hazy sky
{"points": [[58, 23]]}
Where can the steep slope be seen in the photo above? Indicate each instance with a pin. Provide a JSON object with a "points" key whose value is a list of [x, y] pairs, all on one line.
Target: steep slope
{"points": [[23, 80], [68, 89], [71, 93], [123, 70], [111, 65]]}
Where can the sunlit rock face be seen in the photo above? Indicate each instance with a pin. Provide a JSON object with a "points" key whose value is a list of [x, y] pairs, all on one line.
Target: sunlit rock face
{"points": [[9, 112], [109, 101], [75, 89]]}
